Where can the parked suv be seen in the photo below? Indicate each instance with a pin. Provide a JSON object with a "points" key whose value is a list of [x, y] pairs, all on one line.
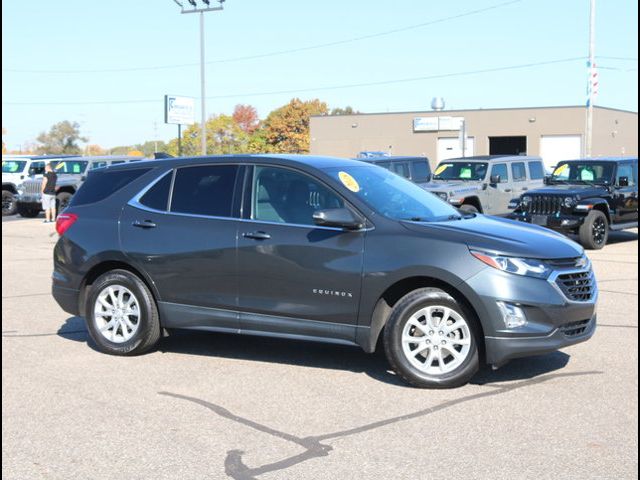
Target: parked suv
{"points": [[587, 197], [416, 169], [486, 184], [71, 174], [315, 248], [15, 169]]}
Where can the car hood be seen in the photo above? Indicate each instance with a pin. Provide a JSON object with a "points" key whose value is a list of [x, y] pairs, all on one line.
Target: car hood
{"points": [[502, 236], [12, 178], [451, 186], [582, 191]]}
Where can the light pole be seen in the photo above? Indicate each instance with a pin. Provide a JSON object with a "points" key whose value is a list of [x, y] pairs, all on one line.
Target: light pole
{"points": [[201, 10], [592, 81]]}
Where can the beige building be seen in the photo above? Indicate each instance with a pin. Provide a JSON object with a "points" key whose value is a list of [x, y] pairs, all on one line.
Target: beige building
{"points": [[554, 133]]}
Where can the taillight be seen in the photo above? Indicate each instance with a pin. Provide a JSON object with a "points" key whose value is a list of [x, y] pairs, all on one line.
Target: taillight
{"points": [[64, 221]]}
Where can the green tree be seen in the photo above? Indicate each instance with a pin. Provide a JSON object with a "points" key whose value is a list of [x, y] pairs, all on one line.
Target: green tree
{"points": [[224, 136], [286, 129], [348, 110], [63, 137]]}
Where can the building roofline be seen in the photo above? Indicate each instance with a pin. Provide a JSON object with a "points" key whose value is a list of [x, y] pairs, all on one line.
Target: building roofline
{"points": [[415, 112]]}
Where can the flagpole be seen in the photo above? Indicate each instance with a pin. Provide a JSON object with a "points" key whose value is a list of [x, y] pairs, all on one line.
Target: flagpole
{"points": [[592, 44]]}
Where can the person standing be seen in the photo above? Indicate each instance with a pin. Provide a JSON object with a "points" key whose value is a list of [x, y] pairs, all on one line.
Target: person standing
{"points": [[48, 190]]}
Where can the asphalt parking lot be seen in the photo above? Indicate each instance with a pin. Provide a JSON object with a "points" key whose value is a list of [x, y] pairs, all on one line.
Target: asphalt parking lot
{"points": [[209, 406]]}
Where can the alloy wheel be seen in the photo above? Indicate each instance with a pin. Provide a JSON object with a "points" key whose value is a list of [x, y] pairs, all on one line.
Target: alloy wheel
{"points": [[117, 313], [599, 231]]}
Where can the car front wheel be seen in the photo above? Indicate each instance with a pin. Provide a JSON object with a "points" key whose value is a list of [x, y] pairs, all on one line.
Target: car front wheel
{"points": [[431, 340], [9, 204], [594, 232], [121, 314]]}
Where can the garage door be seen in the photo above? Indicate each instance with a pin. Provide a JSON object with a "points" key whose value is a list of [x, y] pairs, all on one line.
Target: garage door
{"points": [[554, 148], [449, 147]]}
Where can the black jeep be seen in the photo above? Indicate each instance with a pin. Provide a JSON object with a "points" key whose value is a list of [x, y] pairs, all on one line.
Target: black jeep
{"points": [[589, 197]]}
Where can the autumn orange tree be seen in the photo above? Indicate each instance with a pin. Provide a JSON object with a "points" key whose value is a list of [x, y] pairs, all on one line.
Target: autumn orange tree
{"points": [[246, 117], [286, 129]]}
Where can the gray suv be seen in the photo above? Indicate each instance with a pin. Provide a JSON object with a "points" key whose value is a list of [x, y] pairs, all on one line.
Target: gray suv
{"points": [[71, 174], [315, 248], [486, 184]]}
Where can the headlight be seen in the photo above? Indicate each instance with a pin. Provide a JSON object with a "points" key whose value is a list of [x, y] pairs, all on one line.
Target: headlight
{"points": [[568, 202], [526, 200], [528, 267]]}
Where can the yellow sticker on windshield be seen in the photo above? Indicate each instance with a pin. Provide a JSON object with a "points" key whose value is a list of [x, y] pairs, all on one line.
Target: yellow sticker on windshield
{"points": [[349, 182], [441, 168], [60, 165], [561, 169]]}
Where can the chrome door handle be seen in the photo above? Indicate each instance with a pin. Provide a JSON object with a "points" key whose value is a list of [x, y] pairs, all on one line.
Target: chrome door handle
{"points": [[257, 235], [144, 224]]}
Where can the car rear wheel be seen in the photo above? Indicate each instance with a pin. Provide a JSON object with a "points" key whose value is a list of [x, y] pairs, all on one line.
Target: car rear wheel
{"points": [[594, 232], [121, 314], [9, 204], [431, 340]]}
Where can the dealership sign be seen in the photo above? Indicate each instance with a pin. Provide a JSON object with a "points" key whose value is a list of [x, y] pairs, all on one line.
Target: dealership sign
{"points": [[435, 124], [179, 110]]}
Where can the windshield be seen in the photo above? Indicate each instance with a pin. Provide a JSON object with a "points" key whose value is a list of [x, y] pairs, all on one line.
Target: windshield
{"points": [[393, 196], [13, 166], [70, 166], [461, 171], [584, 172]]}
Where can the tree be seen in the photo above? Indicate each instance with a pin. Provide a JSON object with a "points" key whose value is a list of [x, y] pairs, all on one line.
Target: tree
{"points": [[348, 110], [95, 150], [224, 136], [63, 137], [287, 128], [247, 118]]}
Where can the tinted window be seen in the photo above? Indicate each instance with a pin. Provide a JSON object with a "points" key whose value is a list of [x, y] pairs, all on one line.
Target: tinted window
{"points": [[37, 168], [100, 184], [402, 169], [500, 169], [95, 165], [536, 170], [461, 171], [285, 196], [206, 190], [519, 172], [157, 197], [584, 172], [421, 171], [70, 166], [626, 170], [11, 166]]}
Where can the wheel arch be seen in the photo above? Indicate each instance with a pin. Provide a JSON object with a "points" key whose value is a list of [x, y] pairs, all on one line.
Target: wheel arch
{"points": [[106, 266], [9, 187], [473, 201], [399, 289]]}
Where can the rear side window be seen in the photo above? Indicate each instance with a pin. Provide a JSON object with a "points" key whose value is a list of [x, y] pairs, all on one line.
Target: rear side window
{"points": [[205, 190], [157, 197], [519, 172], [626, 170], [421, 171], [536, 170], [402, 169], [100, 184]]}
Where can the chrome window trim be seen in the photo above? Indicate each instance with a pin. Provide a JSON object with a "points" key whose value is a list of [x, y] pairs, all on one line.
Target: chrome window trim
{"points": [[135, 202]]}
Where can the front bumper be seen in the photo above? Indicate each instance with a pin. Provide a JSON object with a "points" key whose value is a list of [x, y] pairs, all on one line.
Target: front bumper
{"points": [[560, 222], [30, 199], [550, 314]]}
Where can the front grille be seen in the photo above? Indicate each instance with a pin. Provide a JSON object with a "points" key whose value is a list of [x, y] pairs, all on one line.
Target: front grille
{"points": [[32, 187], [575, 329], [544, 205], [578, 287]]}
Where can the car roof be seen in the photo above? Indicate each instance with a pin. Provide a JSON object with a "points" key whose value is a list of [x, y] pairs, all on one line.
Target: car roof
{"points": [[489, 158], [293, 160], [37, 157], [390, 158], [602, 159]]}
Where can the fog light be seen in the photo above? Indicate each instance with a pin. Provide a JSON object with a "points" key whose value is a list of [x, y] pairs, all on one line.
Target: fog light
{"points": [[512, 316]]}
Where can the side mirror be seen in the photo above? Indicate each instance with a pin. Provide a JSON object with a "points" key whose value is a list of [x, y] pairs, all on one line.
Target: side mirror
{"points": [[495, 179], [623, 182], [547, 180], [338, 217]]}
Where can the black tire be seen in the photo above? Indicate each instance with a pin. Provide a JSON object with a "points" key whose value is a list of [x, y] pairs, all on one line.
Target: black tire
{"points": [[148, 331], [28, 212], [62, 201], [400, 315], [9, 203], [594, 232], [467, 208]]}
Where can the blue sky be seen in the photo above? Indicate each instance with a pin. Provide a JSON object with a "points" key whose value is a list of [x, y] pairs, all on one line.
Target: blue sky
{"points": [[42, 38]]}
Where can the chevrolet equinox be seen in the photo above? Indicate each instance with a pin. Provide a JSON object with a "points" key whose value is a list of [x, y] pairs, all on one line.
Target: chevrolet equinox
{"points": [[315, 248]]}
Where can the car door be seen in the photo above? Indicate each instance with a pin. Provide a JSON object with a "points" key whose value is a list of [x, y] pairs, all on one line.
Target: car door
{"points": [[498, 195], [519, 178], [182, 232], [296, 277], [626, 197]]}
